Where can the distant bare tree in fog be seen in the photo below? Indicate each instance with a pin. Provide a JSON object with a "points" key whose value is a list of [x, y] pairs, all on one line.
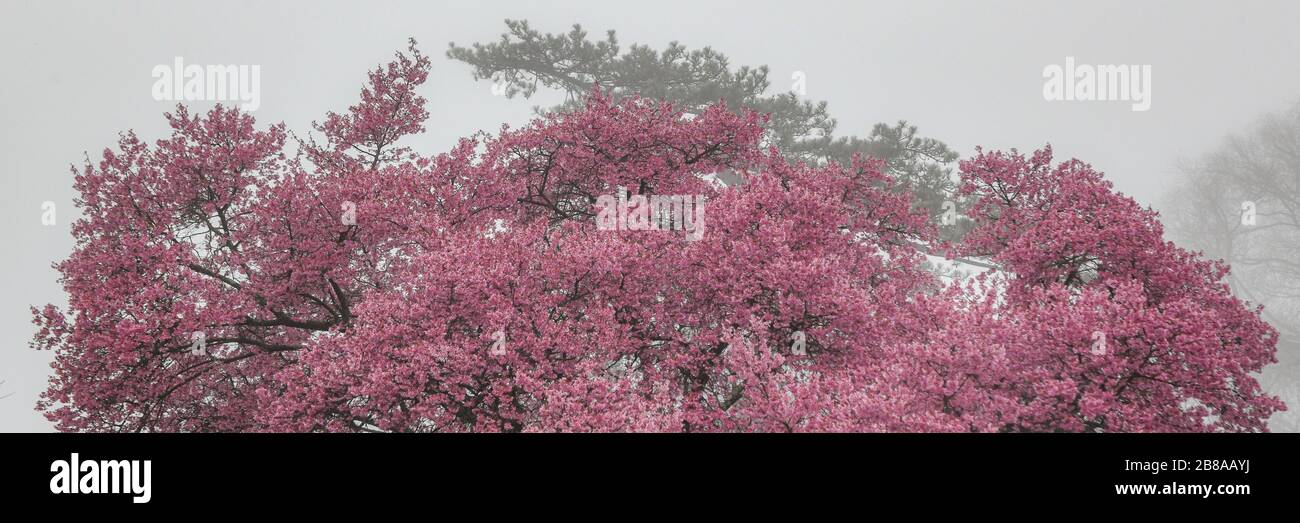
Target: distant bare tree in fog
{"points": [[4, 395], [1241, 203]]}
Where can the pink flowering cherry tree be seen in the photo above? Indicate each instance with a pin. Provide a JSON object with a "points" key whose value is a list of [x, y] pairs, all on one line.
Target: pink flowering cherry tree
{"points": [[231, 278], [1096, 323]]}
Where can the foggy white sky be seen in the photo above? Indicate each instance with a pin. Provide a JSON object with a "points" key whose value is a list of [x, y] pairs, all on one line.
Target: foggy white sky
{"points": [[967, 73]]}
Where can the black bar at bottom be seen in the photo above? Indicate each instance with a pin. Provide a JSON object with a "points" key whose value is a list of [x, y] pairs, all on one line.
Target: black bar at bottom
{"points": [[1157, 470]]}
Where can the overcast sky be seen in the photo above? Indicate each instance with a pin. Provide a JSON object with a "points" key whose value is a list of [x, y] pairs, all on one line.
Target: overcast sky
{"points": [[968, 73]]}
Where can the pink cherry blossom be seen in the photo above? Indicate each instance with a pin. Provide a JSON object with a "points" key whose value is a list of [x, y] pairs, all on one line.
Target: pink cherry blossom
{"points": [[344, 282]]}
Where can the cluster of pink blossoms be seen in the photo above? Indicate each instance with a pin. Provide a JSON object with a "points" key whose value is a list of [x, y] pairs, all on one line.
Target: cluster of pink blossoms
{"points": [[473, 291]]}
